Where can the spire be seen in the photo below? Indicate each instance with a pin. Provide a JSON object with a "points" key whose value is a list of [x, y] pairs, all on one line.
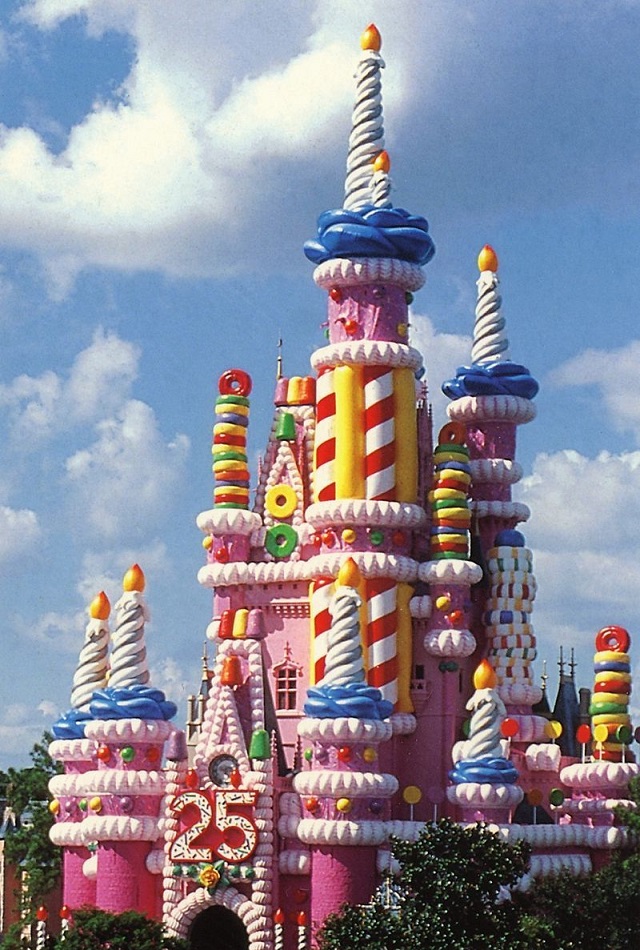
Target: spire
{"points": [[279, 359], [490, 341], [367, 132]]}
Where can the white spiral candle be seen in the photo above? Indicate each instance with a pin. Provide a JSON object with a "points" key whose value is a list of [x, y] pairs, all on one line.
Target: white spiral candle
{"points": [[367, 132], [490, 341], [91, 672], [129, 656], [344, 663]]}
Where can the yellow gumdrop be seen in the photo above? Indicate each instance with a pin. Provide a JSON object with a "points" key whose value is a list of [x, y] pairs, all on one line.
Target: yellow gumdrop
{"points": [[443, 603], [54, 806], [369, 754], [95, 804], [344, 805], [207, 542], [348, 535]]}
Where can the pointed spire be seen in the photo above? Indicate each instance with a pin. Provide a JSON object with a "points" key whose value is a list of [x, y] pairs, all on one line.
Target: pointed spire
{"points": [[490, 341], [91, 672], [279, 359], [367, 132]]}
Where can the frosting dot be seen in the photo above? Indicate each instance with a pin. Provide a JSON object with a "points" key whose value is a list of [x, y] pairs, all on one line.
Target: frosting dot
{"points": [[344, 805], [369, 754], [54, 806], [308, 754], [348, 535], [344, 753], [127, 754], [95, 804], [376, 537]]}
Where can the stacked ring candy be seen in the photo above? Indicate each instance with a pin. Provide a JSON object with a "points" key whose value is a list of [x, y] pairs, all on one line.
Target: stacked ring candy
{"points": [[230, 460], [507, 617], [611, 692], [449, 497]]}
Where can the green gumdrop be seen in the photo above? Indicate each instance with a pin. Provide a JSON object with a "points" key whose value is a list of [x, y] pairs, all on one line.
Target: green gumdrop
{"points": [[286, 427], [128, 754], [376, 538], [83, 804], [260, 747], [308, 754]]}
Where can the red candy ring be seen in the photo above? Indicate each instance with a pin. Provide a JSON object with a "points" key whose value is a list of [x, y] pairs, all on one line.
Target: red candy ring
{"points": [[235, 382], [453, 432], [613, 638]]}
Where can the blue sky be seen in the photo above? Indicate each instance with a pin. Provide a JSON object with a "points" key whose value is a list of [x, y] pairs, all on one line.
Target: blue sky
{"points": [[161, 165]]}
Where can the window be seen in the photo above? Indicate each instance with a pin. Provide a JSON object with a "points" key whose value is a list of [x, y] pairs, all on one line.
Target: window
{"points": [[286, 675]]}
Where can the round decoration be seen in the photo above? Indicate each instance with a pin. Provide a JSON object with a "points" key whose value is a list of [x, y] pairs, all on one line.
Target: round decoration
{"points": [[281, 540], [534, 797], [281, 501], [221, 767], [553, 729], [412, 795], [454, 433], [235, 382], [583, 733], [509, 728], [613, 638]]}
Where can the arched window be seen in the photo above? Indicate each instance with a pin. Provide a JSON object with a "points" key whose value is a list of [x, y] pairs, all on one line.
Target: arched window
{"points": [[286, 675]]}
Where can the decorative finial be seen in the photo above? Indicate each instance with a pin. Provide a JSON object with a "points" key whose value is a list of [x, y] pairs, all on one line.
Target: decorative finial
{"points": [[134, 579], [100, 608], [349, 574], [279, 359], [561, 663], [487, 259], [572, 665], [484, 676], [371, 38]]}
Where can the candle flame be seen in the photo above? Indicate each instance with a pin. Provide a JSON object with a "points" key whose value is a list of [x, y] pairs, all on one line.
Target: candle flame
{"points": [[100, 608], [371, 38], [349, 575], [484, 676], [487, 259], [134, 579], [382, 162]]}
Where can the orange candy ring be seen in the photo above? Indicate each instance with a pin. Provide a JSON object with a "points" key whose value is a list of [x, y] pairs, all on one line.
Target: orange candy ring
{"points": [[613, 638], [235, 382], [453, 432]]}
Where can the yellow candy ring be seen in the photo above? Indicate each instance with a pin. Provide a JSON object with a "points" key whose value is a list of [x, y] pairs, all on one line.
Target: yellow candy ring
{"points": [[622, 699], [611, 656], [616, 639], [439, 493], [281, 540], [619, 719], [281, 501], [235, 382], [229, 428], [605, 675]]}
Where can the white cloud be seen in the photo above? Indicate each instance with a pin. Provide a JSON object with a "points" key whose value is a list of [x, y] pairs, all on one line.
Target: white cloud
{"points": [[97, 383], [122, 482], [615, 374], [442, 354], [105, 568], [61, 631], [20, 532], [175, 683]]}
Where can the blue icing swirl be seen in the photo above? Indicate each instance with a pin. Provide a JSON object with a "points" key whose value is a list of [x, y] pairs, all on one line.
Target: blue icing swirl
{"points": [[355, 701], [70, 725], [371, 232], [131, 702], [487, 770], [509, 538], [499, 378]]}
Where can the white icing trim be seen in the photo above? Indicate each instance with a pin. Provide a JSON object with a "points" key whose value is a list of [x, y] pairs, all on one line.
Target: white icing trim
{"points": [[253, 916], [346, 272], [129, 730], [594, 806], [601, 838], [420, 607], [105, 828], [599, 774], [450, 572], [492, 409], [396, 514], [72, 750], [501, 509], [516, 693], [318, 831], [370, 564], [108, 782], [543, 757], [547, 865], [352, 784], [228, 521], [367, 352], [274, 572], [495, 471], [403, 724], [485, 795], [294, 861], [355, 730], [449, 642]]}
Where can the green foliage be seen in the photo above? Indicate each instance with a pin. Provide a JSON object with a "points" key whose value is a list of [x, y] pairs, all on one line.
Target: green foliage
{"points": [[96, 930], [29, 847], [448, 888]]}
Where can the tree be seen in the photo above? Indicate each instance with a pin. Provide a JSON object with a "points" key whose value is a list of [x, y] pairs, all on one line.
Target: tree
{"points": [[29, 847], [452, 893], [97, 930]]}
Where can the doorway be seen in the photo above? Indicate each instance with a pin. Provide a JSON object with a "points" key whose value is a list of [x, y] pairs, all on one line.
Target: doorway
{"points": [[218, 928]]}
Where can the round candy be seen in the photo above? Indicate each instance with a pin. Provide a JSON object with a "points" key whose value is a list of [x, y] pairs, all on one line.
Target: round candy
{"points": [[281, 501], [127, 754], [534, 797], [376, 537], [583, 733], [369, 754], [235, 382], [455, 432], [95, 804], [600, 733], [443, 602], [348, 535], [412, 795], [344, 805], [623, 734], [281, 540], [553, 729], [509, 728], [616, 639], [54, 806], [556, 796]]}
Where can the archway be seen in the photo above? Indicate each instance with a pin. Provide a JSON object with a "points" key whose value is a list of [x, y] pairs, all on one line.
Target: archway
{"points": [[218, 928]]}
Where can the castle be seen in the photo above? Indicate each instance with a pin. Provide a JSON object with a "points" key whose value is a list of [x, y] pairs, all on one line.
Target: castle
{"points": [[376, 593]]}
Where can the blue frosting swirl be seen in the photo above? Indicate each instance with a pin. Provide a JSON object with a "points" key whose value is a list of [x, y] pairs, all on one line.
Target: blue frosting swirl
{"points": [[487, 770], [499, 378], [509, 538], [70, 725], [131, 702], [371, 232], [355, 701]]}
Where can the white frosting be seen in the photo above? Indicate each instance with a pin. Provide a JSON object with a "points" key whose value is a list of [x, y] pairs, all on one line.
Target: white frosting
{"points": [[294, 861], [221, 521], [350, 272], [366, 140], [489, 338], [318, 831], [492, 409], [105, 828], [108, 782], [128, 730], [599, 775], [546, 865], [355, 730], [90, 867], [72, 750], [351, 784], [544, 757], [91, 672], [129, 656], [396, 514], [495, 471], [488, 713], [465, 573], [485, 795], [530, 728], [420, 607], [367, 352], [278, 572], [344, 661], [370, 564], [447, 642], [511, 510], [595, 806], [403, 724], [517, 693]]}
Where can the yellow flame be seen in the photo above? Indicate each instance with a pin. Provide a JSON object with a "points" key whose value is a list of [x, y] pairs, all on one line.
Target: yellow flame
{"points": [[382, 162], [134, 579], [484, 676], [100, 608], [487, 259], [371, 38], [349, 575]]}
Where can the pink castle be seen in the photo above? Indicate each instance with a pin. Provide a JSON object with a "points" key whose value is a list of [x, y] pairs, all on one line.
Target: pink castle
{"points": [[375, 597]]}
